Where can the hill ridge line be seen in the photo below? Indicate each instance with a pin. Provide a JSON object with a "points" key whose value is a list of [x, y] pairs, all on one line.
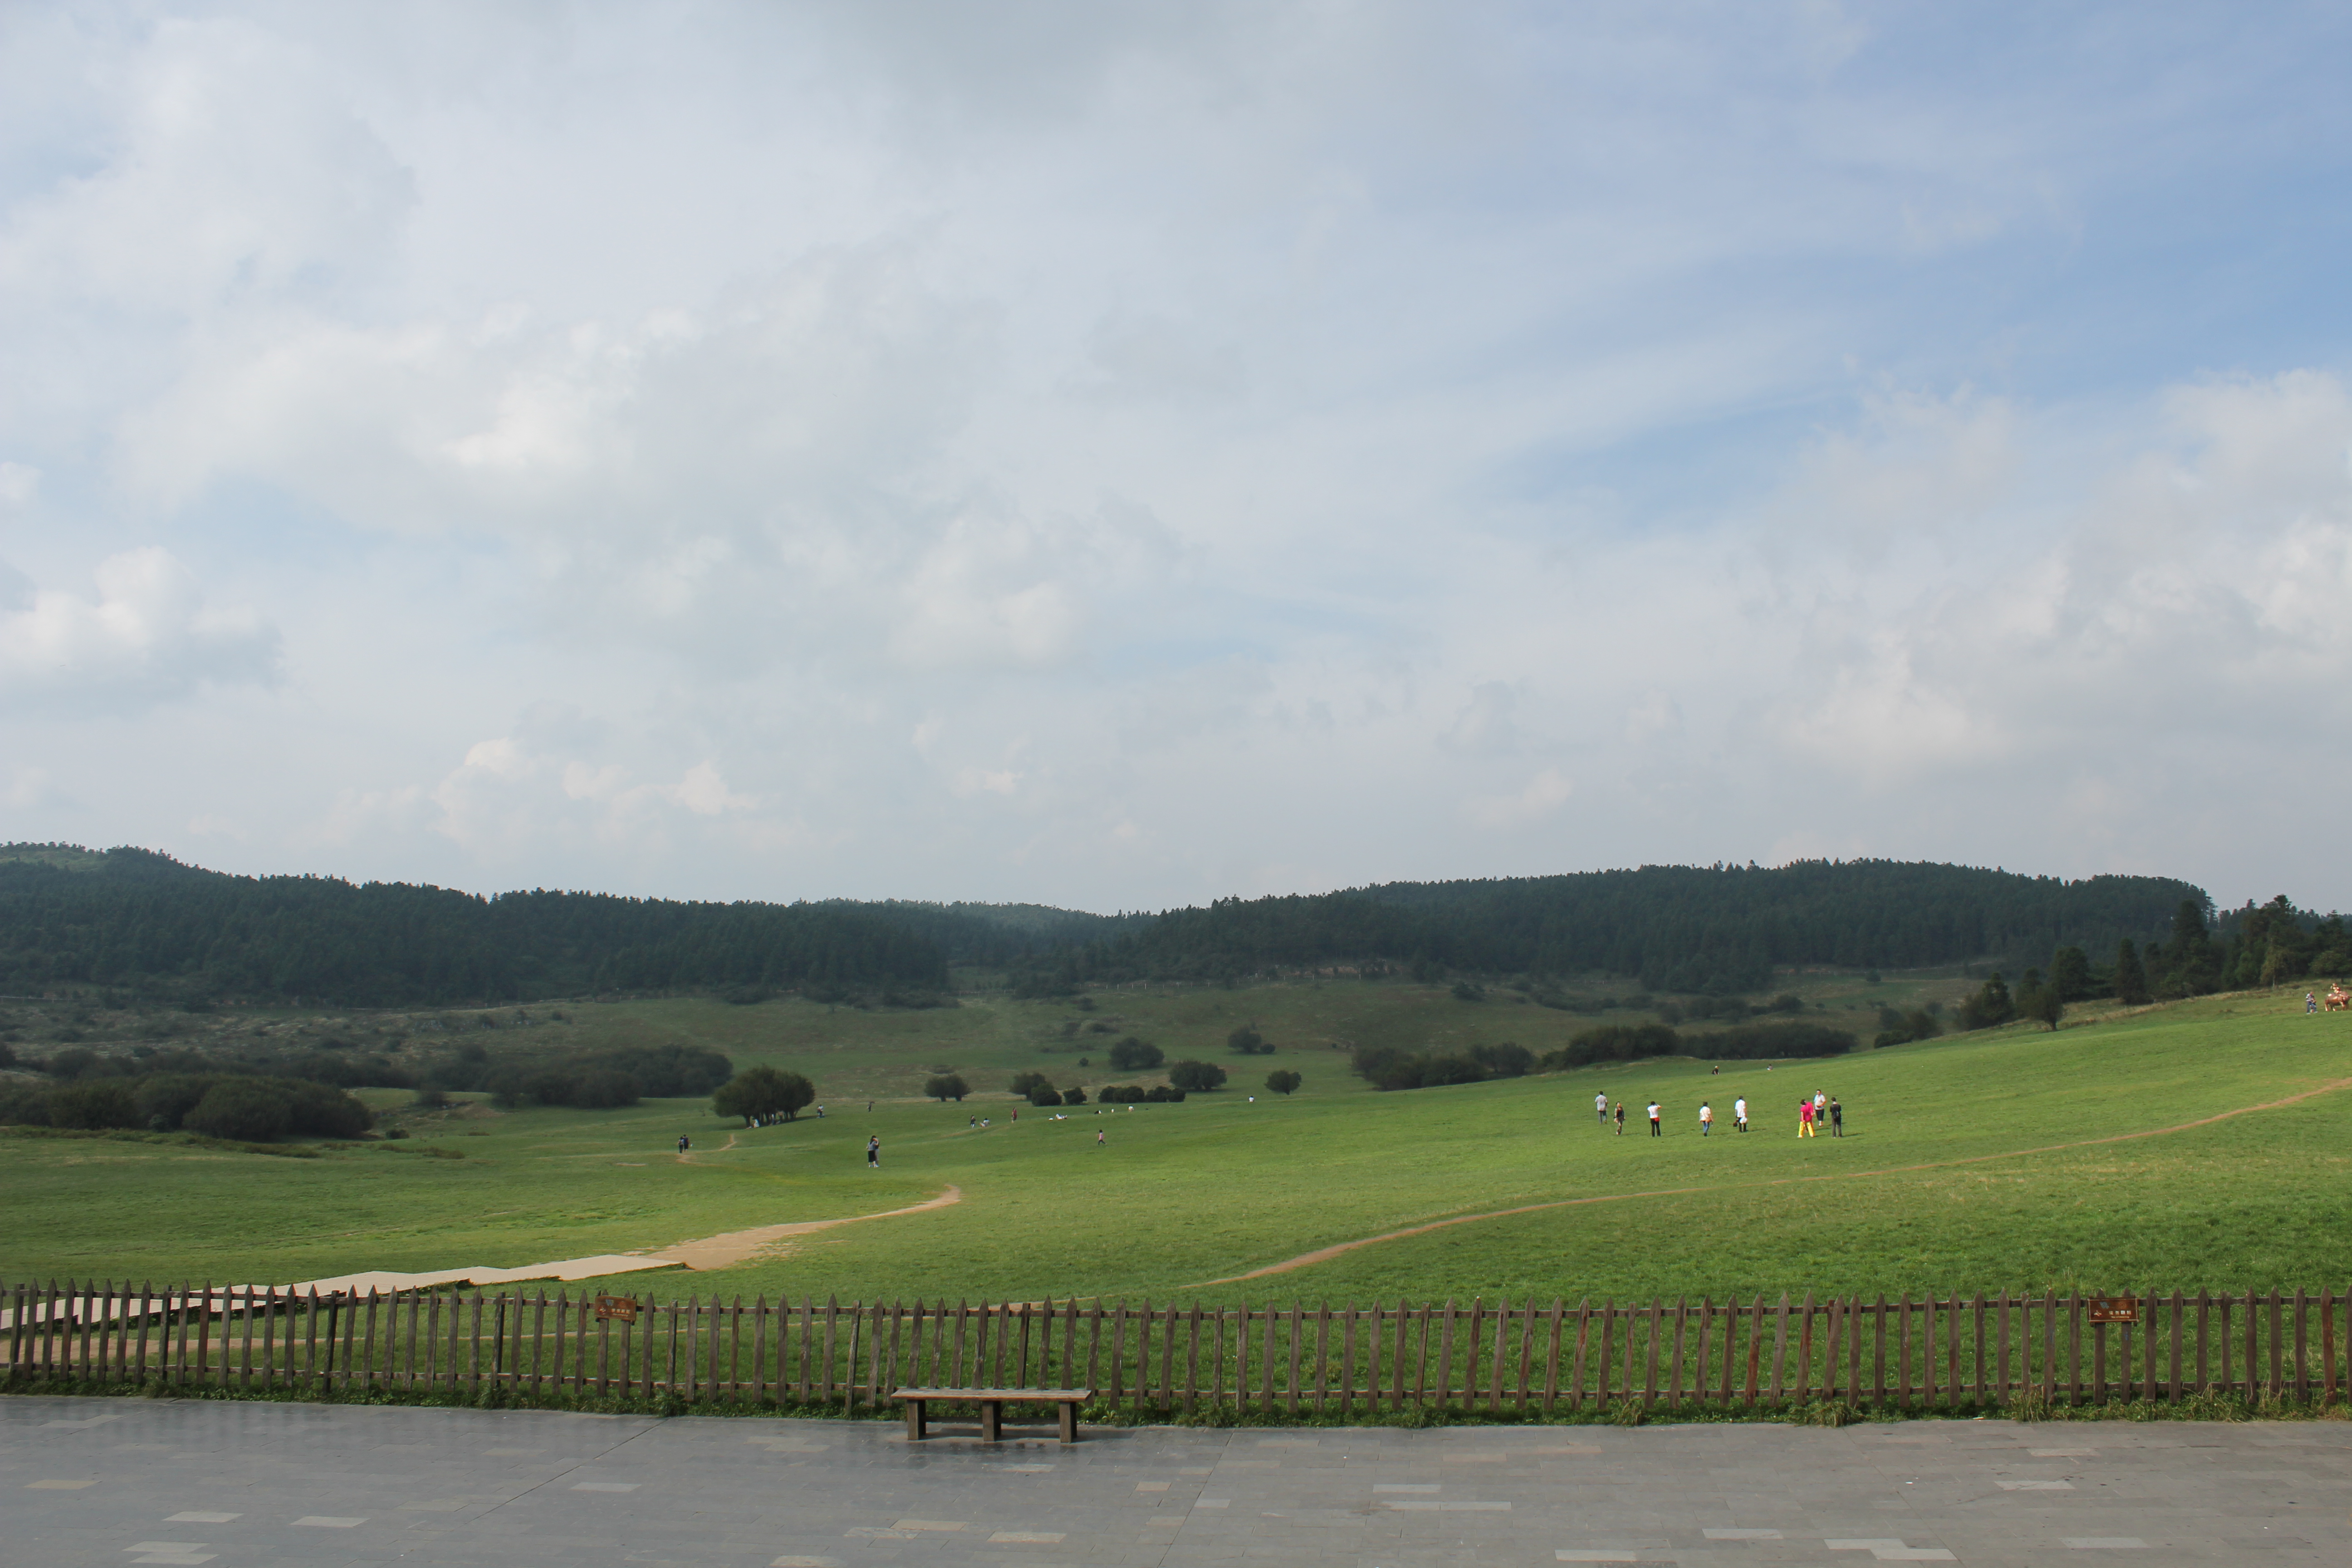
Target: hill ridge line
{"points": [[1326, 1254]]}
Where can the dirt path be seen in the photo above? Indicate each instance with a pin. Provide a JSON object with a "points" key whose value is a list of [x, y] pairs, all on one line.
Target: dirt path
{"points": [[687, 1157], [1325, 1254], [736, 1246]]}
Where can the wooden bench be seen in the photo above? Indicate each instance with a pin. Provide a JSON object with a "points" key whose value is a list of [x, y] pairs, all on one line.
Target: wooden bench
{"points": [[992, 1403]]}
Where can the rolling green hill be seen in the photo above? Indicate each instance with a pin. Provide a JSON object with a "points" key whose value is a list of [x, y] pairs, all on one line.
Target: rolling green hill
{"points": [[2196, 1143]]}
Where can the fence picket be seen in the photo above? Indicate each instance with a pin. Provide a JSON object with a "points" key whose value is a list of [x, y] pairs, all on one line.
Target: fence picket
{"points": [[1447, 1356]]}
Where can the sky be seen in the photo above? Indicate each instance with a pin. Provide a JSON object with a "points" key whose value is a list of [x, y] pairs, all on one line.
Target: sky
{"points": [[1124, 455]]}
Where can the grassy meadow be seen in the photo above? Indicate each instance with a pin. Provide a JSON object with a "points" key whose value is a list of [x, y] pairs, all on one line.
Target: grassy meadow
{"points": [[1969, 1163]]}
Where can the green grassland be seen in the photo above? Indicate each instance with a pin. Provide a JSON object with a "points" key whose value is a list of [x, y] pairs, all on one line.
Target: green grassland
{"points": [[1969, 1161]]}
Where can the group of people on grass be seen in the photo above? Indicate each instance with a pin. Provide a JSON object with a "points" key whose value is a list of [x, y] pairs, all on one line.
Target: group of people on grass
{"points": [[1819, 1110]]}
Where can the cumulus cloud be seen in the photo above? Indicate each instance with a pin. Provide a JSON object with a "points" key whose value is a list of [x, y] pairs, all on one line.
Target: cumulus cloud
{"points": [[1121, 455], [148, 636]]}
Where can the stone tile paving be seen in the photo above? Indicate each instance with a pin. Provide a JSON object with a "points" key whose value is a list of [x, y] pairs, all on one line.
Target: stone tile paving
{"points": [[86, 1482]]}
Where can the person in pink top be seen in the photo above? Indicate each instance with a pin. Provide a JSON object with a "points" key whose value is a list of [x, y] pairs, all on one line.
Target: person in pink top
{"points": [[1804, 1118]]}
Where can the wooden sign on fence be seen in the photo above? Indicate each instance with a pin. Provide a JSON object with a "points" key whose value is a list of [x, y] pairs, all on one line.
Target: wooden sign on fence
{"points": [[616, 1309], [2114, 1309]]}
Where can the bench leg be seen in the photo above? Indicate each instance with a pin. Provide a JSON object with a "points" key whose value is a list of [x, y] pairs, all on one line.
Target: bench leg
{"points": [[1069, 1422], [992, 1414], [916, 1425]]}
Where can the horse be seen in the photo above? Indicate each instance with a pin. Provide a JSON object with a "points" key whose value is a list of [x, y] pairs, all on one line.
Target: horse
{"points": [[2339, 1000]]}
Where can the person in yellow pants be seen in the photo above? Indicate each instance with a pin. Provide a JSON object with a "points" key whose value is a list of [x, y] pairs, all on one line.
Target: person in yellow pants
{"points": [[1805, 1119]]}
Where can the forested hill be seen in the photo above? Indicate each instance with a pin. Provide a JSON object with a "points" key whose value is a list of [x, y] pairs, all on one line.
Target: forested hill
{"points": [[134, 918], [1679, 927], [139, 921]]}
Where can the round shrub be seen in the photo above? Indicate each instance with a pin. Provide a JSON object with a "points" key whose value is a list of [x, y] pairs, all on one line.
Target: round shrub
{"points": [[1196, 1076], [165, 1100], [99, 1102], [1131, 1055], [246, 1109]]}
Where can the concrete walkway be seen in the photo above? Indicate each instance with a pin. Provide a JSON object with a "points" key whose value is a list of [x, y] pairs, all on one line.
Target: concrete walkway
{"points": [[114, 1482]]}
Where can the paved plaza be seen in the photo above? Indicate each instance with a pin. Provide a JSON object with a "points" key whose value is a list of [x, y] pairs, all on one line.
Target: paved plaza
{"points": [[97, 1483]]}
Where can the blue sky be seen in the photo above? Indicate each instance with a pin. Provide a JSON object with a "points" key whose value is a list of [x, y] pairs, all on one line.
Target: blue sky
{"points": [[1120, 456]]}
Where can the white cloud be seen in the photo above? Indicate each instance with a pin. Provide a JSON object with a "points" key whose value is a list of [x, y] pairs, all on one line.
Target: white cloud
{"points": [[147, 637], [1126, 454], [1545, 794]]}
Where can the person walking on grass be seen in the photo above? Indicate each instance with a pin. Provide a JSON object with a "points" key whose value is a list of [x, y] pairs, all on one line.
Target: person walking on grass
{"points": [[874, 1153], [1739, 1114], [1804, 1118], [1099, 1137], [1601, 1107], [1621, 1119], [1706, 1118], [1654, 1132], [1837, 1117]]}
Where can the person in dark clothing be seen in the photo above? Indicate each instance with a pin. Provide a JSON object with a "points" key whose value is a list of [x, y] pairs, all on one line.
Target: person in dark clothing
{"points": [[1621, 1119], [1837, 1117], [874, 1151]]}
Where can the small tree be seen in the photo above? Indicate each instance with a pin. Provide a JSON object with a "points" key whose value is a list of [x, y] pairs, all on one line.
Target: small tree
{"points": [[1283, 1082], [2043, 1003], [1131, 1055], [2131, 978], [1197, 1076], [1023, 1083], [762, 1091], [1247, 1041], [946, 1087], [1073, 1096], [1991, 1005], [1043, 1094], [2070, 974]]}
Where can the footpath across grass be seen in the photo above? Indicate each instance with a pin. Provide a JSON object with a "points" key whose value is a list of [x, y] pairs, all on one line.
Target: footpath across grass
{"points": [[1972, 1163]]}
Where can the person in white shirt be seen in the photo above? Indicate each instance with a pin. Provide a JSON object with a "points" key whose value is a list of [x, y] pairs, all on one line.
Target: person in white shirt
{"points": [[1739, 1113], [1706, 1118], [1601, 1107], [1654, 1130]]}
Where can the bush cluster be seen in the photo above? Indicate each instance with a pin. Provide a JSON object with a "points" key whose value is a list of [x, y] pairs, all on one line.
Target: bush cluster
{"points": [[589, 1080], [1389, 1066], [944, 1087], [1131, 1094], [1131, 1055], [756, 1094], [1247, 1041], [247, 1109], [1196, 1076], [1747, 1042], [1897, 1027]]}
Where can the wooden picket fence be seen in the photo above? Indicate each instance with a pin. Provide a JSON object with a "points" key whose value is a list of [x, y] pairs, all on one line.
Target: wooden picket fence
{"points": [[1499, 1358]]}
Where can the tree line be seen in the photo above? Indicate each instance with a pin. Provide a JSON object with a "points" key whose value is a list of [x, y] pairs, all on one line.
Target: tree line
{"points": [[134, 919], [1717, 930]]}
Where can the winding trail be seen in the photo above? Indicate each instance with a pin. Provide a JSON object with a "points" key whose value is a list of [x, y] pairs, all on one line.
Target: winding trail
{"points": [[719, 1251], [1325, 1254]]}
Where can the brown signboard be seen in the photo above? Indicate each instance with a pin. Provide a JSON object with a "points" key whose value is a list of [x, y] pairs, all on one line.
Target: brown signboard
{"points": [[2114, 1309], [617, 1308]]}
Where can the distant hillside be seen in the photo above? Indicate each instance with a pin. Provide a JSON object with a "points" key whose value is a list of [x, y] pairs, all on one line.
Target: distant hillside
{"points": [[135, 919], [1677, 928]]}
